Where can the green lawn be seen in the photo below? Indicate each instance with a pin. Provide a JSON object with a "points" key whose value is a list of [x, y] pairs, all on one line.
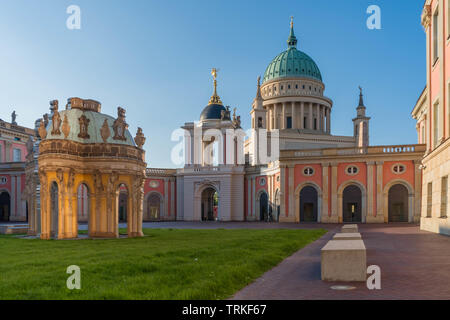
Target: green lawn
{"points": [[166, 264]]}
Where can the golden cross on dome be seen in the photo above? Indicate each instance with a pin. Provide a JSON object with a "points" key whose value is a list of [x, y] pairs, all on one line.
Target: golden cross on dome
{"points": [[292, 22]]}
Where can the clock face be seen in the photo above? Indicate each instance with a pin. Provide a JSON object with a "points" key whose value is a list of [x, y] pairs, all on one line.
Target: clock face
{"points": [[154, 184]]}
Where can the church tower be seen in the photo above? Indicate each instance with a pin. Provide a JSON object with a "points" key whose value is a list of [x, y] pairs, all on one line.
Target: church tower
{"points": [[258, 113], [361, 124]]}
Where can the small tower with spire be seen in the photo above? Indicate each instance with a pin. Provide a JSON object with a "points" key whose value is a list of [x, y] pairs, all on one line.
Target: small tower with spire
{"points": [[361, 124], [258, 115], [258, 112]]}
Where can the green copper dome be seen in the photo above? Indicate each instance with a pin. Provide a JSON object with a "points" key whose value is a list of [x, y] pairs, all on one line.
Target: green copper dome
{"points": [[292, 63]]}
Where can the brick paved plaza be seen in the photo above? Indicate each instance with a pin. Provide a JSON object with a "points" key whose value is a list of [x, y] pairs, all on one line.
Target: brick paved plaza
{"points": [[414, 264]]}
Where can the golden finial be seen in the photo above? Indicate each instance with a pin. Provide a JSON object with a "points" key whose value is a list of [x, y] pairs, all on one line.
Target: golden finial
{"points": [[215, 99], [292, 22]]}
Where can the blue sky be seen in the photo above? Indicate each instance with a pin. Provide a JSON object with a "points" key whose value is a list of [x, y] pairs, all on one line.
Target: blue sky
{"points": [[154, 58]]}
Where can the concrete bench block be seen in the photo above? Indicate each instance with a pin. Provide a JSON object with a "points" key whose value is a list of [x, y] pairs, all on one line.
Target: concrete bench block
{"points": [[344, 260], [349, 228], [8, 229], [347, 236]]}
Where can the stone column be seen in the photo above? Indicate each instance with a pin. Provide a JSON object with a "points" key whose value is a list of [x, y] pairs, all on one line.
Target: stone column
{"points": [[8, 145], [294, 117], [328, 111], [334, 197], [417, 191], [13, 198], [283, 116], [254, 198], [302, 115], [325, 196], [291, 211], [319, 117], [311, 116], [283, 191], [249, 197], [166, 197], [275, 116], [380, 204], [272, 124], [269, 189], [322, 118], [20, 213], [370, 198], [172, 198]]}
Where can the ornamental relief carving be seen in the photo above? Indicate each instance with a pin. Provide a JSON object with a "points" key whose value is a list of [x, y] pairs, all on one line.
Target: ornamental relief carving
{"points": [[84, 123], [104, 131], [65, 127]]}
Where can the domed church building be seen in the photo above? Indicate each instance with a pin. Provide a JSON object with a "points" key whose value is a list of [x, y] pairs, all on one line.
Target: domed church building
{"points": [[310, 176], [86, 160]]}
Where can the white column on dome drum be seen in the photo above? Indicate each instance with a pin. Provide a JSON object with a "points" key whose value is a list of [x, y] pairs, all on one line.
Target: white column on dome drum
{"points": [[328, 120], [319, 117], [294, 116], [283, 116], [310, 124], [322, 118], [302, 115]]}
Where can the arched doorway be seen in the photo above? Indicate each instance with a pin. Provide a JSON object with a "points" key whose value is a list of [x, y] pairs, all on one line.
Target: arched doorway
{"points": [[352, 204], [54, 209], [210, 203], [123, 203], [83, 203], [398, 203], [308, 204], [263, 207], [5, 206], [154, 206]]}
